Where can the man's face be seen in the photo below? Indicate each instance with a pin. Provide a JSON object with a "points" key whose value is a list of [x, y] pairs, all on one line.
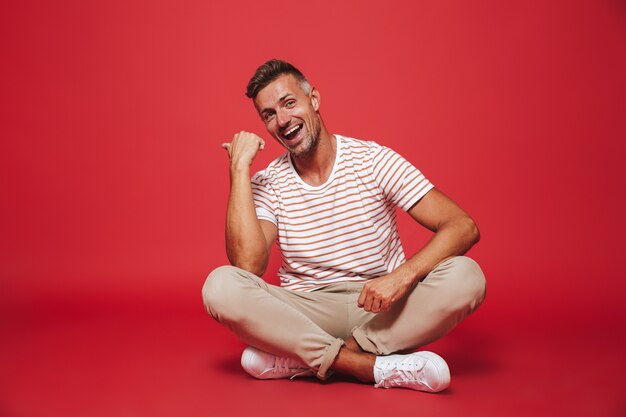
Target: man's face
{"points": [[290, 114]]}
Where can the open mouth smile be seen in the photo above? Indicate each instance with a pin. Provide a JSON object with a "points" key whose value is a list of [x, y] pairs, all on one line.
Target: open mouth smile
{"points": [[292, 132]]}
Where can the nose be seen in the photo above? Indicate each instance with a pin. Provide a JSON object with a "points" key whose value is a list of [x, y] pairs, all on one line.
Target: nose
{"points": [[283, 117]]}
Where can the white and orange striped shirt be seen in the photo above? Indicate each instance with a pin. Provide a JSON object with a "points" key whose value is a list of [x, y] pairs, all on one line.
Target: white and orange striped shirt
{"points": [[344, 229]]}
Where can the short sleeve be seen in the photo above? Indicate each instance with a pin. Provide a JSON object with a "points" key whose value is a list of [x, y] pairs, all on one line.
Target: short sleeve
{"points": [[264, 198], [400, 182]]}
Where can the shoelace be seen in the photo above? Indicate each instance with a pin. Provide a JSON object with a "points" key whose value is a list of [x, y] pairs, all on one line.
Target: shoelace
{"points": [[290, 365], [286, 365], [403, 371]]}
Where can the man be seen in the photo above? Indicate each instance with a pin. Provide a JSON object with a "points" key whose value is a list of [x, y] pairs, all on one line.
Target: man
{"points": [[348, 299]]}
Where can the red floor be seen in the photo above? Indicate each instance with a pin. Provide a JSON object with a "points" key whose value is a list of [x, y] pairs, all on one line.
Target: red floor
{"points": [[112, 181], [184, 364]]}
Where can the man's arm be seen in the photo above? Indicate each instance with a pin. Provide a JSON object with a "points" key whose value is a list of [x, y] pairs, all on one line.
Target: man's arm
{"points": [[248, 239], [455, 234]]}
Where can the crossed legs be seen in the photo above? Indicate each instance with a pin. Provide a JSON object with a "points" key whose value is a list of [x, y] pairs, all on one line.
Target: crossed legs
{"points": [[326, 329], [447, 295]]}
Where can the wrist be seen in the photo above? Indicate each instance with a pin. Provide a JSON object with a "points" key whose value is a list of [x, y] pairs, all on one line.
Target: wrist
{"points": [[405, 276], [239, 168]]}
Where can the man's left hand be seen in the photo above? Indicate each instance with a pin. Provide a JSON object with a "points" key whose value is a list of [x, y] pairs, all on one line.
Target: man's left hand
{"points": [[379, 294]]}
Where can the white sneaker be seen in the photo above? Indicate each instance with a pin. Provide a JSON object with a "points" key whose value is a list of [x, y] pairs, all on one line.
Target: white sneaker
{"points": [[422, 371], [263, 365]]}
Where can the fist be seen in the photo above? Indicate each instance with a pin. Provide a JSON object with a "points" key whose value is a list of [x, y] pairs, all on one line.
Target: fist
{"points": [[243, 148]]}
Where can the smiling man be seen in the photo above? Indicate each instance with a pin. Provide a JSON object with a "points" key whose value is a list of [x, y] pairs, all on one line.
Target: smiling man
{"points": [[349, 300]]}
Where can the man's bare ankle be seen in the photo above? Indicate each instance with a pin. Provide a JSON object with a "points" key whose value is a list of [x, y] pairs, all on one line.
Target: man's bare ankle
{"points": [[358, 364], [351, 344]]}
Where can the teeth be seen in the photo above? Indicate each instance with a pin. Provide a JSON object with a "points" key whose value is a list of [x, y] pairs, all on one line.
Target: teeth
{"points": [[290, 131]]}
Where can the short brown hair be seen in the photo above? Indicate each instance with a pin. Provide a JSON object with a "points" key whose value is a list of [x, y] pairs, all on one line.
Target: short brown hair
{"points": [[268, 72]]}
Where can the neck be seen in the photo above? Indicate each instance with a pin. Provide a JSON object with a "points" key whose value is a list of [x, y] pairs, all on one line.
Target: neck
{"points": [[316, 167]]}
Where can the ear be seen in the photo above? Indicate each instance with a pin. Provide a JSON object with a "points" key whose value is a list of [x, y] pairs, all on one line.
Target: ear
{"points": [[315, 99]]}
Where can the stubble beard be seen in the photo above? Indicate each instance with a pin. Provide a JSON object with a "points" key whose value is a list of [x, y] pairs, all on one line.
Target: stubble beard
{"points": [[309, 144]]}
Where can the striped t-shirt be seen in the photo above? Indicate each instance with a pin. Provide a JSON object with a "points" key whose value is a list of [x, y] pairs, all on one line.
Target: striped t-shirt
{"points": [[344, 229]]}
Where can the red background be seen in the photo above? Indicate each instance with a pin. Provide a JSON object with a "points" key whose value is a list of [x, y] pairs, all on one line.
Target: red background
{"points": [[113, 185]]}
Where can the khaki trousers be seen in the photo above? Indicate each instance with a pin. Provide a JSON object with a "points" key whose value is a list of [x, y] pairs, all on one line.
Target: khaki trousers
{"points": [[312, 326]]}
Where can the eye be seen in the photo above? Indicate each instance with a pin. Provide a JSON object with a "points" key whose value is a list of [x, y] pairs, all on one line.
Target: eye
{"points": [[267, 116], [290, 103]]}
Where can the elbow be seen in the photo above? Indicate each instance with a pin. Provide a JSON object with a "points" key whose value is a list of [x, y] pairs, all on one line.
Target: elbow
{"points": [[253, 259], [466, 232], [257, 270], [254, 266], [472, 232]]}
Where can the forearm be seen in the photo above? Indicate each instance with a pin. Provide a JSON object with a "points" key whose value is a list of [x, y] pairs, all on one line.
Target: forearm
{"points": [[245, 243], [451, 239], [455, 234]]}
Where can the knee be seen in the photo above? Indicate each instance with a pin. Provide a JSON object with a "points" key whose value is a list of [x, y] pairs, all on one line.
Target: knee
{"points": [[218, 288], [467, 280]]}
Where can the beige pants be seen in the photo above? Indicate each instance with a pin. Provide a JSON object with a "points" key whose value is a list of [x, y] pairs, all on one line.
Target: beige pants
{"points": [[311, 326]]}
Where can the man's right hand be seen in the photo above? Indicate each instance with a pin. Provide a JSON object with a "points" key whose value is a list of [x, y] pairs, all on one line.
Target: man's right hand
{"points": [[243, 149], [248, 239]]}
